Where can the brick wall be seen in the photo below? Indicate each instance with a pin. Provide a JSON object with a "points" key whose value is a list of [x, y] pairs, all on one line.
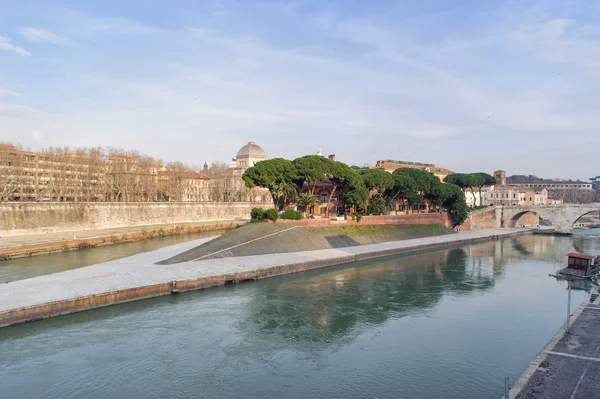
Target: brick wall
{"points": [[481, 219]]}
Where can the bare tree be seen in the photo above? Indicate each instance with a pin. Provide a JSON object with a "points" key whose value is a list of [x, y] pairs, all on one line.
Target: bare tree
{"points": [[8, 172], [176, 174]]}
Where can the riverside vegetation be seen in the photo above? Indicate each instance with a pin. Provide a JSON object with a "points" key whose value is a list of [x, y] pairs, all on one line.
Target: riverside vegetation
{"points": [[367, 191]]}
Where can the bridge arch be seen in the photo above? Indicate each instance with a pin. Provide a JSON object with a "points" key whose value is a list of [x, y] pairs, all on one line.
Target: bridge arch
{"points": [[588, 219], [516, 221], [562, 217]]}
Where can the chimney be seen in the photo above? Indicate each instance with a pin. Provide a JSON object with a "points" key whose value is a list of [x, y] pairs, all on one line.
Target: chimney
{"points": [[331, 157]]}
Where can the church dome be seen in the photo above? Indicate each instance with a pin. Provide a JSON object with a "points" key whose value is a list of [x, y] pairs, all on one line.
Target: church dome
{"points": [[251, 150]]}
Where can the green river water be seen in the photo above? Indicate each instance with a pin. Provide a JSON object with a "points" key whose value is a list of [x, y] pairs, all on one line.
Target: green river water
{"points": [[450, 323]]}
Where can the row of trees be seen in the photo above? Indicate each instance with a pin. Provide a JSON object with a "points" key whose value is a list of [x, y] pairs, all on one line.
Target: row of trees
{"points": [[471, 181], [367, 191], [106, 174]]}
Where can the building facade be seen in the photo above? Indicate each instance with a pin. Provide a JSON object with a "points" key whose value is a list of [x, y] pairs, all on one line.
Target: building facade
{"points": [[533, 196], [61, 174], [567, 191], [502, 196], [391, 165]]}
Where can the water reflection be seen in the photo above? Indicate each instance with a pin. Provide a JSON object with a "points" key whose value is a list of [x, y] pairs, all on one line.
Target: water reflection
{"points": [[540, 247], [450, 323], [327, 304]]}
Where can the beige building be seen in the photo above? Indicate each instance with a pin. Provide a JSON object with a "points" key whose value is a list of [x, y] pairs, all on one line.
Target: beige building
{"points": [[391, 165], [533, 196], [502, 195], [515, 196]]}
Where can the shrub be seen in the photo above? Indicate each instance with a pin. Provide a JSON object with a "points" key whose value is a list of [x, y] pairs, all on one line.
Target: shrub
{"points": [[272, 214], [257, 213], [291, 214]]}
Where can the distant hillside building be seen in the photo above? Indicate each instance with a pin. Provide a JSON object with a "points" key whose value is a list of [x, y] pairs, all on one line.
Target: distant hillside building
{"points": [[390, 165], [568, 191]]}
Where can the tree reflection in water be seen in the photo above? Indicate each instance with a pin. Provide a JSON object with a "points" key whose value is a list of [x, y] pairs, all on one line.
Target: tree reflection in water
{"points": [[328, 305]]}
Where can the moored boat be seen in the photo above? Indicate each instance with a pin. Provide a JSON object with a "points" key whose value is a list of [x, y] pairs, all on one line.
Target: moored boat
{"points": [[580, 267]]}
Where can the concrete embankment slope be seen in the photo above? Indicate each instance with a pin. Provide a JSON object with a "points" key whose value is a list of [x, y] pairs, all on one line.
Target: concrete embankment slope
{"points": [[139, 277], [269, 238]]}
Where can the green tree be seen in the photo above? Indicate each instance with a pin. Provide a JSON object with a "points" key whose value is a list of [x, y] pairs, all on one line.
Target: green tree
{"points": [[377, 205], [271, 174], [377, 180], [358, 200], [311, 169], [404, 188], [341, 175], [455, 203], [307, 200], [286, 191], [486, 180], [423, 179], [470, 181]]}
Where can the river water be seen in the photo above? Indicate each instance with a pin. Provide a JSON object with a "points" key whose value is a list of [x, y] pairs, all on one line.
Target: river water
{"points": [[440, 324]]}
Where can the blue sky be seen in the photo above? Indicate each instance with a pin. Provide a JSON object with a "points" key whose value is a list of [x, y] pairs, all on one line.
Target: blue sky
{"points": [[468, 85]]}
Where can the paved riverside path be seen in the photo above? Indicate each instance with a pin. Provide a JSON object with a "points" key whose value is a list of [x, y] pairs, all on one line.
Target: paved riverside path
{"points": [[10, 241], [140, 271], [569, 365]]}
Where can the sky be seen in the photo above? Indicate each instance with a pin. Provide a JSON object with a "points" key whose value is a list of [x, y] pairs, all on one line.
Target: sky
{"points": [[467, 85]]}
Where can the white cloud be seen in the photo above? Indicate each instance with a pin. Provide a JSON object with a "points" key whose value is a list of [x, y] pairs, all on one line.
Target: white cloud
{"points": [[6, 93], [5, 44], [41, 36], [360, 88]]}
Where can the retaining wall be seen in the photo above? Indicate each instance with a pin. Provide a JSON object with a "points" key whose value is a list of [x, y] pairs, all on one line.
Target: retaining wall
{"points": [[18, 218], [489, 218]]}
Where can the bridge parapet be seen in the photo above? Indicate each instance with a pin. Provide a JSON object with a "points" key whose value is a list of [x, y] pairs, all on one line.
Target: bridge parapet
{"points": [[562, 216]]}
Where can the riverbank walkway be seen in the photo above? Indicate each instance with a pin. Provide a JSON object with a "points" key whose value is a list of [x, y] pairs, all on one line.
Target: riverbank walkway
{"points": [[139, 277], [569, 365], [40, 243]]}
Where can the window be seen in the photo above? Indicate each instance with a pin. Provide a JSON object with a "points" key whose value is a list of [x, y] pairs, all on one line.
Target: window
{"points": [[324, 198]]}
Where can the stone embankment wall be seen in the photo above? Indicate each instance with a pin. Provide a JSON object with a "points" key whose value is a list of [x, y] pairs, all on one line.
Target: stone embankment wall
{"points": [[18, 218], [488, 218], [424, 218]]}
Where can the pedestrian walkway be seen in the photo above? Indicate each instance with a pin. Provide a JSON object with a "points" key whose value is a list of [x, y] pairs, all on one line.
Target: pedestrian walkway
{"points": [[8, 241], [12, 247], [569, 365], [139, 277]]}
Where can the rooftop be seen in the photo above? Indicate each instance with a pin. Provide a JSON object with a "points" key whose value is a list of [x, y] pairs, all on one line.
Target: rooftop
{"points": [[579, 256], [251, 150]]}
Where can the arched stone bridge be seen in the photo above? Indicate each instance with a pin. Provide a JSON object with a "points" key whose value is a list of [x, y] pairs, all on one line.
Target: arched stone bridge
{"points": [[562, 217]]}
